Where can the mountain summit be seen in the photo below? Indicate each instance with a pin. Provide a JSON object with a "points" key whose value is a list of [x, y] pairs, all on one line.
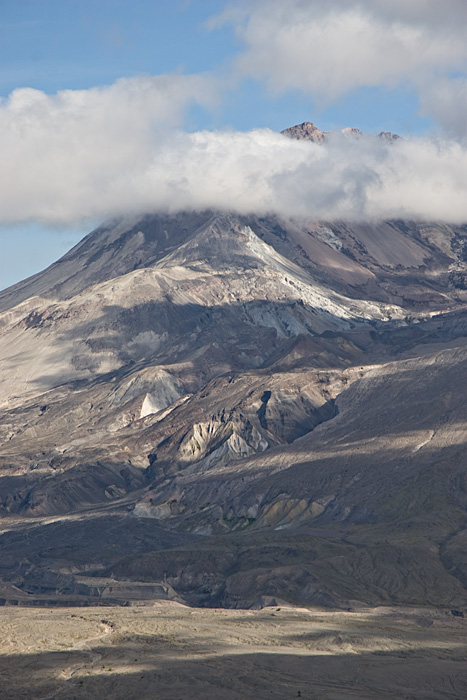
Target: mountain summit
{"points": [[236, 408], [307, 131]]}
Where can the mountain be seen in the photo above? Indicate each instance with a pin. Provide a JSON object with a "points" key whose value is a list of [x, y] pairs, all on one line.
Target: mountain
{"points": [[307, 131], [229, 409]]}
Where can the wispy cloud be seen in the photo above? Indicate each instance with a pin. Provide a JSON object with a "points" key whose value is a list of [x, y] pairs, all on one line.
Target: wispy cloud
{"points": [[327, 49]]}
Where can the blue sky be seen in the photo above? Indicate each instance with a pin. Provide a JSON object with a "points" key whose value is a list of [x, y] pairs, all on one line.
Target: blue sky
{"points": [[55, 45], [259, 70]]}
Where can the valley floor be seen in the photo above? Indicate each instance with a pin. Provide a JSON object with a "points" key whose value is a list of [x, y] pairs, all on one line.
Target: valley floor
{"points": [[167, 650]]}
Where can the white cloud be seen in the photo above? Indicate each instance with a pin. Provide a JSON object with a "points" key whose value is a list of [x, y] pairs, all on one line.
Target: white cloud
{"points": [[103, 151], [329, 48], [114, 150], [63, 153]]}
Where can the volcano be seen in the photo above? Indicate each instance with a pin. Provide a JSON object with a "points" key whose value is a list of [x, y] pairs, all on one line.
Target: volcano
{"points": [[227, 410]]}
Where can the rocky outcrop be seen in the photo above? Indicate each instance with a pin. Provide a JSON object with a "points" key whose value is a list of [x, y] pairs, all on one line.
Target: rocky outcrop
{"points": [[305, 132]]}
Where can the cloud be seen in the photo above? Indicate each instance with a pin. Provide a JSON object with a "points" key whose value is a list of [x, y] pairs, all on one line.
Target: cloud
{"points": [[62, 153], [327, 49], [359, 179], [89, 154], [446, 101], [115, 150]]}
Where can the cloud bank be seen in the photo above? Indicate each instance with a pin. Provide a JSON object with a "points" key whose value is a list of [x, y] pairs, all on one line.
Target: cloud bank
{"points": [[111, 151]]}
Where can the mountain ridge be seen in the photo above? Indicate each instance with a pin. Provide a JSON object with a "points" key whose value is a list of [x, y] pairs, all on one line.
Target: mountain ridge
{"points": [[307, 131]]}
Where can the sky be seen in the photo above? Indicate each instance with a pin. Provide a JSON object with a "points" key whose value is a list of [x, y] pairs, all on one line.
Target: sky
{"points": [[122, 107]]}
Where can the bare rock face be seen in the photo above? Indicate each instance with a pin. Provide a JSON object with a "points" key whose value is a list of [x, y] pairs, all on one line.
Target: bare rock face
{"points": [[305, 132], [219, 408], [388, 136]]}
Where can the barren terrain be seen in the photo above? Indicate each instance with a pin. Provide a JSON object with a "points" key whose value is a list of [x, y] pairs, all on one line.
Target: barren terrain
{"points": [[218, 410], [169, 651]]}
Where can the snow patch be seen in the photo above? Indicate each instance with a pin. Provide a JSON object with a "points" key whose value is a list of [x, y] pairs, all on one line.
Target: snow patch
{"points": [[155, 402], [165, 391]]}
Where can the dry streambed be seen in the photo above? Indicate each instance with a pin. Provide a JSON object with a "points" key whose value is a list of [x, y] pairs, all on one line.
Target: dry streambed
{"points": [[171, 651]]}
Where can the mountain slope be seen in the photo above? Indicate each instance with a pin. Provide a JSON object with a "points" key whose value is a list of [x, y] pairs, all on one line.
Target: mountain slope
{"points": [[280, 401]]}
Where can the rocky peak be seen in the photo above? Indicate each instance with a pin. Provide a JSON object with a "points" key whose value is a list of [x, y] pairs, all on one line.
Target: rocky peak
{"points": [[388, 136], [305, 132], [351, 132], [309, 132]]}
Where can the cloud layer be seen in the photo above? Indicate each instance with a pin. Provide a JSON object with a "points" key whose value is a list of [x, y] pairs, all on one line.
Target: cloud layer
{"points": [[90, 154]]}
